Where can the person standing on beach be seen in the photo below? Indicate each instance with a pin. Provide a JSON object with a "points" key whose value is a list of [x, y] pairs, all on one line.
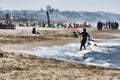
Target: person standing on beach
{"points": [[84, 35]]}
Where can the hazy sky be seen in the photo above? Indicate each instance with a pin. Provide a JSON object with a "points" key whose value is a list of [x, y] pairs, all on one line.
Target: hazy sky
{"points": [[72, 5]]}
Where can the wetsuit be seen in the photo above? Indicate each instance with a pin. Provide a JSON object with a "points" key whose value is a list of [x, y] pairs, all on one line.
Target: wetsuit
{"points": [[84, 39]]}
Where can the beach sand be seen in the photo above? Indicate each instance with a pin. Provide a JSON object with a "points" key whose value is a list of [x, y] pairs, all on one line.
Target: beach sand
{"points": [[18, 66]]}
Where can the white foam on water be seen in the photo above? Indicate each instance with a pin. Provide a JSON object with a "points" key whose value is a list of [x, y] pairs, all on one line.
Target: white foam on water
{"points": [[70, 52], [89, 60], [112, 42]]}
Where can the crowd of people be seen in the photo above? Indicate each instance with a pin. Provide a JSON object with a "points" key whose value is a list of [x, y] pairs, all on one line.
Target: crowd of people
{"points": [[100, 25], [107, 25], [42, 24]]}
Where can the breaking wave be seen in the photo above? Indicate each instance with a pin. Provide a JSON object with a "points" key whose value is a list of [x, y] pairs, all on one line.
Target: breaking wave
{"points": [[106, 53]]}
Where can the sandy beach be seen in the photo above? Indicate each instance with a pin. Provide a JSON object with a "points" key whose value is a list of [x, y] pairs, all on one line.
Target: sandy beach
{"points": [[20, 66]]}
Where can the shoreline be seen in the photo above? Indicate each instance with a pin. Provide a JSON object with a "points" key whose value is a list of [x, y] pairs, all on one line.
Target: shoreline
{"points": [[45, 47]]}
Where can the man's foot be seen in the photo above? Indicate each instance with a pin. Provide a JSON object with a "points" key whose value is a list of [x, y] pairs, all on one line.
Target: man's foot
{"points": [[84, 48], [80, 49]]}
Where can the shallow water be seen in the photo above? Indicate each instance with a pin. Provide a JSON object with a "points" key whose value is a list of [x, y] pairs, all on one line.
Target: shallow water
{"points": [[106, 53]]}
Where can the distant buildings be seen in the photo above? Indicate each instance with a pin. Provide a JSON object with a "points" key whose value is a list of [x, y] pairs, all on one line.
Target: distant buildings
{"points": [[48, 8], [60, 16]]}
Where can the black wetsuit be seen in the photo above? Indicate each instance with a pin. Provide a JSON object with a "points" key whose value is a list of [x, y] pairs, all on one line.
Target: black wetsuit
{"points": [[84, 39]]}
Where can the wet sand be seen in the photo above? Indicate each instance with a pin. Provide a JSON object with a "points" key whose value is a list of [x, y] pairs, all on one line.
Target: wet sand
{"points": [[17, 66]]}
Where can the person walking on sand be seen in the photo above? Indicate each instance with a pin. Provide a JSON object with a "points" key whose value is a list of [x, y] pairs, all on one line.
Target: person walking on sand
{"points": [[84, 35]]}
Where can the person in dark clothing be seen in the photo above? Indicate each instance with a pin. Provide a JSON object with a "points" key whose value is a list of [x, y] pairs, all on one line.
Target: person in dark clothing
{"points": [[84, 38], [34, 30]]}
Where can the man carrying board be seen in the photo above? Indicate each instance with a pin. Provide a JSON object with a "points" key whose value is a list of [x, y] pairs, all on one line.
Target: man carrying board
{"points": [[84, 35]]}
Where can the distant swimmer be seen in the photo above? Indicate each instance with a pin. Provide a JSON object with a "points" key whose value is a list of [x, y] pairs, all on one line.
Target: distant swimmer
{"points": [[84, 38]]}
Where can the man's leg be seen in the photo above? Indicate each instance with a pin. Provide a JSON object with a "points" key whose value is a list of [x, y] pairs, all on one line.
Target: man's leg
{"points": [[84, 47], [81, 47], [84, 42]]}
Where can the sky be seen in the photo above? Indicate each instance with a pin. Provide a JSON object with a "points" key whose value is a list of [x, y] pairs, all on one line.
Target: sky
{"points": [[71, 5]]}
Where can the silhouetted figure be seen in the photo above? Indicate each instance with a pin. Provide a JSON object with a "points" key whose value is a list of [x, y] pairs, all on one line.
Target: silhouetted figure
{"points": [[75, 34], [106, 24], [84, 38], [34, 30], [109, 24], [7, 18], [99, 25], [117, 25]]}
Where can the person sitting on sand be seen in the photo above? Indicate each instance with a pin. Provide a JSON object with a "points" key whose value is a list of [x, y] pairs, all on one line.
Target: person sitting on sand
{"points": [[84, 38], [34, 31]]}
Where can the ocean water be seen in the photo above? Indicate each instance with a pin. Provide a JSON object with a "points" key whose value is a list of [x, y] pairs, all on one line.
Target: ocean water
{"points": [[106, 53]]}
